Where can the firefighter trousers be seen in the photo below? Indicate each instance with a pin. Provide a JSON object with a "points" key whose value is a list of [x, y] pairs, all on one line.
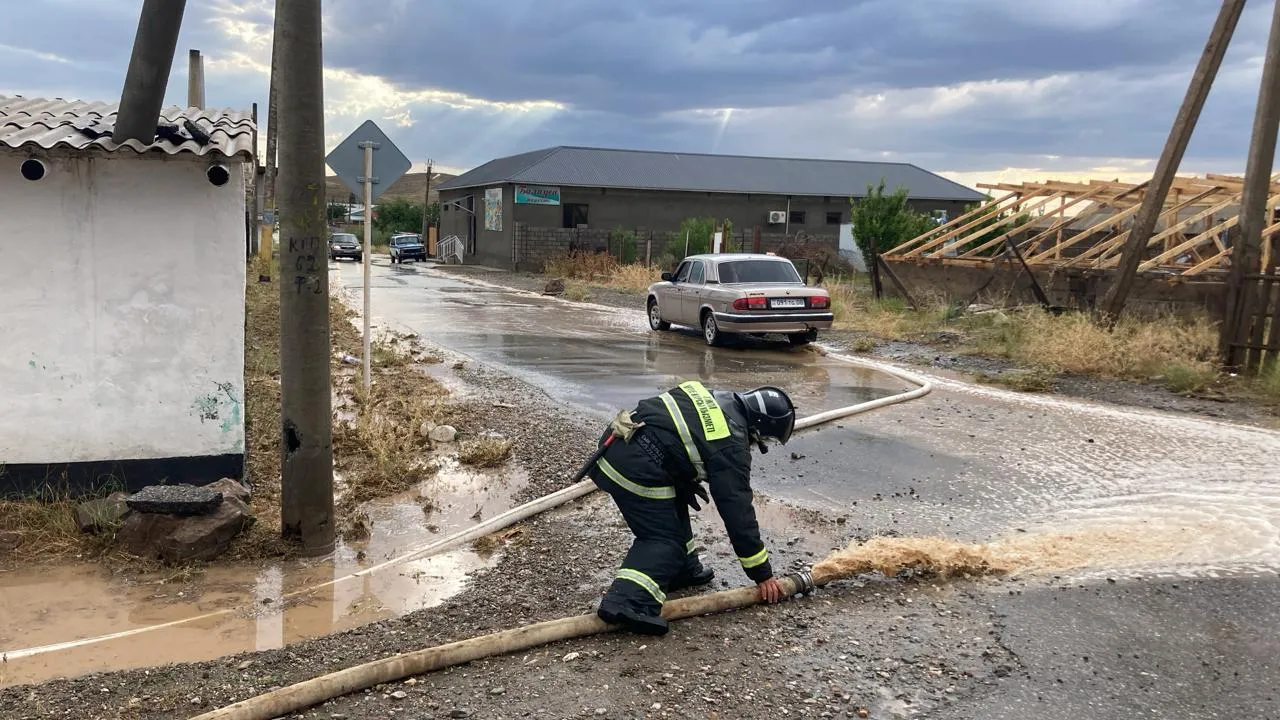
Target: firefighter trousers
{"points": [[661, 553]]}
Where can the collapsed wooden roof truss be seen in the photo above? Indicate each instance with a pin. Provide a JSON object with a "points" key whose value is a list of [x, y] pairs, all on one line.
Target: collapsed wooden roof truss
{"points": [[1191, 236]]}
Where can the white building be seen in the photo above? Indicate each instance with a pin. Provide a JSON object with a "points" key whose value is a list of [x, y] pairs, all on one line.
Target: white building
{"points": [[121, 297]]}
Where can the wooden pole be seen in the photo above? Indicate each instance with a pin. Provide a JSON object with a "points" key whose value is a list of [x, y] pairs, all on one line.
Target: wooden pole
{"points": [[1179, 135], [1242, 304]]}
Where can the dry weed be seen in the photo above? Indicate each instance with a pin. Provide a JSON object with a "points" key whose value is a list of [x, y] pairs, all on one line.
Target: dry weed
{"points": [[486, 452], [1137, 349], [602, 270]]}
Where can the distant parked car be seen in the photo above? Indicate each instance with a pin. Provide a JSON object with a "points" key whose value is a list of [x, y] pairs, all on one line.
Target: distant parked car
{"points": [[746, 293], [407, 246], [345, 245]]}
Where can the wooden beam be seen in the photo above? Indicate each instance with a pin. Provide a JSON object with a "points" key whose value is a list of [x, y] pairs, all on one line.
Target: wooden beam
{"points": [[990, 213], [1171, 156], [1176, 227], [1102, 251], [921, 238], [997, 240], [1034, 206], [1084, 235]]}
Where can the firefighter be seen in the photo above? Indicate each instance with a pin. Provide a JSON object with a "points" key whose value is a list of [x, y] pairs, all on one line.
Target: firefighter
{"points": [[654, 463]]}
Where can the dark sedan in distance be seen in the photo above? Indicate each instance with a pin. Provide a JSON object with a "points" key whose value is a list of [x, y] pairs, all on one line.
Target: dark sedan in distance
{"points": [[345, 245]]}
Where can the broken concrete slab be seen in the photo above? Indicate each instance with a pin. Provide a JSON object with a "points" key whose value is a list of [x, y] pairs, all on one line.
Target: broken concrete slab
{"points": [[231, 488], [175, 500], [102, 514], [177, 539]]}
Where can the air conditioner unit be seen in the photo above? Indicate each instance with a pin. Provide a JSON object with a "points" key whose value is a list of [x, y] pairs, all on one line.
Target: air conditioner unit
{"points": [[777, 217]]}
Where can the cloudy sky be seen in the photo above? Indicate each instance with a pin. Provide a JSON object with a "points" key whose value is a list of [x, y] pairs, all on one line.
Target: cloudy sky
{"points": [[976, 89]]}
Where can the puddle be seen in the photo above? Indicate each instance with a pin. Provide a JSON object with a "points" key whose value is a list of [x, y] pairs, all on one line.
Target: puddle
{"points": [[245, 608]]}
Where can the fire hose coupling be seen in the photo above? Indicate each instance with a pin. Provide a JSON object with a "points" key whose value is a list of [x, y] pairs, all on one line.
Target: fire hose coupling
{"points": [[803, 581]]}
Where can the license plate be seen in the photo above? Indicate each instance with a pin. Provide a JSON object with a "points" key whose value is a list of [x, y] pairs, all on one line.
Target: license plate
{"points": [[787, 303]]}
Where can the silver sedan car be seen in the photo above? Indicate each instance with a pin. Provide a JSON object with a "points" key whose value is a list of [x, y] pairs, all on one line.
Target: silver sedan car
{"points": [[739, 294]]}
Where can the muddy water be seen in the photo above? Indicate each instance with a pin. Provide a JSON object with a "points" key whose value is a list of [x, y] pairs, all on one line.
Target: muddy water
{"points": [[232, 609]]}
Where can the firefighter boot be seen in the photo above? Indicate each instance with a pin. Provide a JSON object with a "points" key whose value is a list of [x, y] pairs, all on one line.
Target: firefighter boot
{"points": [[617, 613], [694, 574]]}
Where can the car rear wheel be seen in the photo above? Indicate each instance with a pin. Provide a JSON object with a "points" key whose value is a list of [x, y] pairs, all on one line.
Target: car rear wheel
{"points": [[656, 322], [710, 330], [804, 338]]}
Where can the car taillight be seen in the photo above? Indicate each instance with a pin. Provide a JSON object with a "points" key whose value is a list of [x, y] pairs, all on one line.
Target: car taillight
{"points": [[819, 302], [750, 303]]}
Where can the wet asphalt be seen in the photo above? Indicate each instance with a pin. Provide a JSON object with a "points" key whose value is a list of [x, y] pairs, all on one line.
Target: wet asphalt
{"points": [[1155, 538]]}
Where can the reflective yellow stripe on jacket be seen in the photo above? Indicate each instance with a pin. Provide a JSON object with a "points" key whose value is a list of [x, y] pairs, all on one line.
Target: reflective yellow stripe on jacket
{"points": [[663, 492], [682, 428], [756, 560]]}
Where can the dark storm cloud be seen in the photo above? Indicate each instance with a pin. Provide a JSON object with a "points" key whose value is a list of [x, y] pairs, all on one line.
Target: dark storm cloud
{"points": [[665, 55], [962, 84]]}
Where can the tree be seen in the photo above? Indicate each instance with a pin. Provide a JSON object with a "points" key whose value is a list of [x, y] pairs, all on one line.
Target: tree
{"points": [[700, 231], [337, 213], [433, 214], [398, 216], [882, 222]]}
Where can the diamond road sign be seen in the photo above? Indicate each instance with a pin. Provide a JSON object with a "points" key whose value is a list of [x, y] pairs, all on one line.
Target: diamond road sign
{"points": [[347, 160]]}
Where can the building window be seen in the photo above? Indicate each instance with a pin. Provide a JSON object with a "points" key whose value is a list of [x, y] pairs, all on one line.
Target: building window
{"points": [[574, 215], [797, 217], [834, 217]]}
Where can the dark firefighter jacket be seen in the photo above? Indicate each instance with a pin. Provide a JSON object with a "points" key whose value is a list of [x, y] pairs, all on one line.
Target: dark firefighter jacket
{"points": [[704, 438]]}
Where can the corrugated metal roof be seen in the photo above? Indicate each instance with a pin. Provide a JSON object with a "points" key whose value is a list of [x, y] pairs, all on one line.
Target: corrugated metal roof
{"points": [[81, 125], [649, 170]]}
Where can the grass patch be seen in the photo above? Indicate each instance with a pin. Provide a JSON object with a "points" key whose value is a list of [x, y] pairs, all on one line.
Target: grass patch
{"points": [[486, 452], [576, 293], [602, 270], [1268, 383], [377, 441], [1137, 349], [1188, 379], [1034, 380]]}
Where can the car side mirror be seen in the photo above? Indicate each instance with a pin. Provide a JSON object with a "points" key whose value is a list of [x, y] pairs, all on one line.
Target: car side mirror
{"points": [[668, 277]]}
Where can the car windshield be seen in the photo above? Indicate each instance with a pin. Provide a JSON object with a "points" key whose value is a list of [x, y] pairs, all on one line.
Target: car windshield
{"points": [[759, 271], [343, 238], [405, 240]]}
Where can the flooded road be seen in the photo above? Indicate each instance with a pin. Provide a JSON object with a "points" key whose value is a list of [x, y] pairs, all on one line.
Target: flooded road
{"points": [[599, 358]]}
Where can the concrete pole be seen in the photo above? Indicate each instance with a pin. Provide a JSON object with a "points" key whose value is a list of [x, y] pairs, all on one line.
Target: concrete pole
{"points": [[142, 98], [1247, 248], [195, 80], [269, 193], [1184, 125], [306, 413]]}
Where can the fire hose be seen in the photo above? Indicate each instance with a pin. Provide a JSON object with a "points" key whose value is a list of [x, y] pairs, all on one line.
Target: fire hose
{"points": [[315, 691]]}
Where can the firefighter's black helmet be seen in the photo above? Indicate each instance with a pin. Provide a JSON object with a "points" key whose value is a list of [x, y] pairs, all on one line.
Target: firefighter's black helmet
{"points": [[769, 412]]}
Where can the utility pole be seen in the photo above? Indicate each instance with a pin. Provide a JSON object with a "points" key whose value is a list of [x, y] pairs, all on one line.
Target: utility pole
{"points": [[1240, 325], [195, 80], [1144, 223], [269, 180], [142, 98], [366, 257], [306, 412], [426, 204]]}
